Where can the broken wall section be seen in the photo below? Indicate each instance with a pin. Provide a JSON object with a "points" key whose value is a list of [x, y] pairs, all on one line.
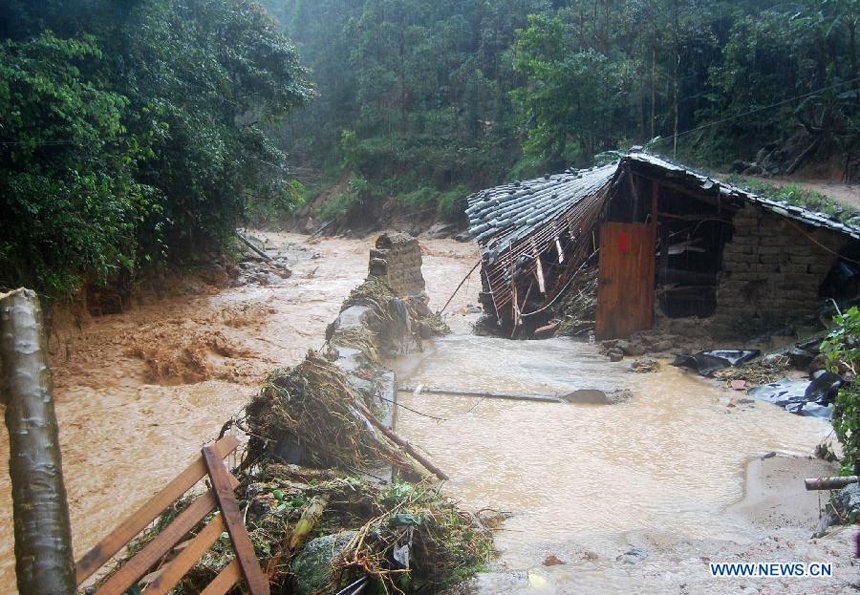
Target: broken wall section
{"points": [[397, 260], [771, 272]]}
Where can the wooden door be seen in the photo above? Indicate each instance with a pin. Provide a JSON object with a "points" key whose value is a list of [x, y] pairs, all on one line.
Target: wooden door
{"points": [[625, 291]]}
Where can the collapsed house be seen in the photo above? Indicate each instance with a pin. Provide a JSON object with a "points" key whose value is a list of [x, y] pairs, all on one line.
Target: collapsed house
{"points": [[664, 238]]}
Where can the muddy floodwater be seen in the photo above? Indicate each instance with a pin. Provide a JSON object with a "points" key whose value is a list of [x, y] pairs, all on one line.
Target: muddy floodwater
{"points": [[587, 483], [674, 473], [139, 393]]}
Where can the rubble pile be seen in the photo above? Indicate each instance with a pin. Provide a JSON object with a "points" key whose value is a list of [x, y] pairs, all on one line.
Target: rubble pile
{"points": [[317, 531]]}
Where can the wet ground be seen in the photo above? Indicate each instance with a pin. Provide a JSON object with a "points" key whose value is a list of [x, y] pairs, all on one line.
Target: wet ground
{"points": [[674, 475]]}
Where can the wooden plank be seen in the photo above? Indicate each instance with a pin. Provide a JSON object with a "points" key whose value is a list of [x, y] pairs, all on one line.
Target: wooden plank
{"points": [[128, 530], [135, 568], [625, 290], [258, 583], [225, 579], [189, 556]]}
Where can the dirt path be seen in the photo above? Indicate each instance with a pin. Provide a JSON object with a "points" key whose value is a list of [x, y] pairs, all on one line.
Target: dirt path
{"points": [[141, 392], [846, 194]]}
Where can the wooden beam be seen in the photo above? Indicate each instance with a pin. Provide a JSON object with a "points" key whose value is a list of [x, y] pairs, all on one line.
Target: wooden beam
{"points": [[145, 559], [695, 217], [225, 579], [258, 583], [186, 559], [655, 193], [705, 196], [129, 529]]}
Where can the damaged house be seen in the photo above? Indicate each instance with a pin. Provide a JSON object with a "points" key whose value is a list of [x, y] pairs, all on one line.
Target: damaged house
{"points": [[665, 239]]}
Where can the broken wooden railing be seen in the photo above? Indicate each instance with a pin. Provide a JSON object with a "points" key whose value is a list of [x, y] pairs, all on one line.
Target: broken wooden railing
{"points": [[157, 552]]}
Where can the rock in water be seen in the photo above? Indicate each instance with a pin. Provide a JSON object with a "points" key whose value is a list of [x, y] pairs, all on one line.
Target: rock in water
{"points": [[645, 365], [313, 566]]}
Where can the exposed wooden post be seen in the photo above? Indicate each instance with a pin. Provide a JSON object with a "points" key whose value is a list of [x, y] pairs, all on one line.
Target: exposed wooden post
{"points": [[43, 538]]}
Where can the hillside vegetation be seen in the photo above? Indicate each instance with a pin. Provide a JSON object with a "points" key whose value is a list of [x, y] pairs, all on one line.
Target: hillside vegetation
{"points": [[443, 95], [138, 133]]}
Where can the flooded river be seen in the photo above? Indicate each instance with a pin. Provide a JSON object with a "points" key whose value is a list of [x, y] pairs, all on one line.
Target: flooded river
{"points": [[139, 393], [587, 483]]}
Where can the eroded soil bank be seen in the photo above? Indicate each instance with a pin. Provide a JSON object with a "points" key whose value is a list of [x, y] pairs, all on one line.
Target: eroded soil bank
{"points": [[141, 392]]}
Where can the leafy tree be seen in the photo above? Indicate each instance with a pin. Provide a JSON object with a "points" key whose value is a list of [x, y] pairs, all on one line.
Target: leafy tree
{"points": [[67, 188], [138, 130]]}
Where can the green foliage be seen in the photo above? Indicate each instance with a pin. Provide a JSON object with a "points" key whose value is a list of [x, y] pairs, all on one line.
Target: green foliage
{"points": [[353, 204], [426, 199], [795, 195], [67, 188], [130, 135], [842, 350]]}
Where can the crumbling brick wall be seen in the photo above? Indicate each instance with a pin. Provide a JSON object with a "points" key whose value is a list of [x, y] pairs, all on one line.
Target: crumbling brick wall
{"points": [[771, 272], [397, 259]]}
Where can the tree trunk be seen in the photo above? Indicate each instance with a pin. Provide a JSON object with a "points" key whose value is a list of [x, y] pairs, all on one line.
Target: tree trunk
{"points": [[675, 84], [43, 539], [852, 50], [653, 85]]}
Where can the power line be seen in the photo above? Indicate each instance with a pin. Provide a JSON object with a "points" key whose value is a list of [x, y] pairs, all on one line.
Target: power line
{"points": [[761, 109]]}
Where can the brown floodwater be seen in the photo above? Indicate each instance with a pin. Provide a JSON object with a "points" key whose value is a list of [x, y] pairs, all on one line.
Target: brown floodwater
{"points": [[141, 392], [663, 467]]}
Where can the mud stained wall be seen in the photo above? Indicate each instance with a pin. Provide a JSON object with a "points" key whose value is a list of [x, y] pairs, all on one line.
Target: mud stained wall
{"points": [[397, 259], [771, 272]]}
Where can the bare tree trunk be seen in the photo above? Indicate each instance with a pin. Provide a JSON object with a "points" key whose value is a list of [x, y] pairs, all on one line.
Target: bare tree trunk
{"points": [[43, 537], [653, 86], [675, 85], [852, 50]]}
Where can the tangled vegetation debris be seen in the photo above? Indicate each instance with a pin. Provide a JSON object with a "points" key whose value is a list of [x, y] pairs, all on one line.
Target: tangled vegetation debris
{"points": [[578, 309], [406, 538], [758, 372], [313, 408], [323, 525]]}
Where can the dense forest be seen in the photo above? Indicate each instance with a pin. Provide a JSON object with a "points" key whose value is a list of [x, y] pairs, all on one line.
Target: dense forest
{"points": [[418, 99], [134, 132]]}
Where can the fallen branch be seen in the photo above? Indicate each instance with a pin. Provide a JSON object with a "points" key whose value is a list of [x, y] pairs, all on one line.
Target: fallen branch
{"points": [[477, 393], [401, 442], [250, 245]]}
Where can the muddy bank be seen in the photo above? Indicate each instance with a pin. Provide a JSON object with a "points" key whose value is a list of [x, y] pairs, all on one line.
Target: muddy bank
{"points": [[139, 393]]}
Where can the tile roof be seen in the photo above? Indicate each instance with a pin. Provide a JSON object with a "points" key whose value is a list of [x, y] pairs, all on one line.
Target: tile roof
{"points": [[505, 215], [690, 176]]}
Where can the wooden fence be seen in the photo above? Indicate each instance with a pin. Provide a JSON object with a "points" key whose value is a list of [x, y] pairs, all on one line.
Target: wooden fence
{"points": [[158, 551]]}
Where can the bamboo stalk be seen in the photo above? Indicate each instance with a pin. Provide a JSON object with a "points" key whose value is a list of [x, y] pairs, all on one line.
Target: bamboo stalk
{"points": [[44, 563], [484, 394]]}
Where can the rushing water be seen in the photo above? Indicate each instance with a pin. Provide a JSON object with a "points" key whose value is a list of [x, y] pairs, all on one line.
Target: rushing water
{"points": [[669, 461], [125, 435], [598, 477]]}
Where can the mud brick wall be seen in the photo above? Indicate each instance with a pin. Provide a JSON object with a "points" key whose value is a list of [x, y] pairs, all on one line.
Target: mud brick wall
{"points": [[771, 271], [397, 259]]}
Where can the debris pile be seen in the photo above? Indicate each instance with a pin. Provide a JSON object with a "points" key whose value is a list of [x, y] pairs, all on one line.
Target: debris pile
{"points": [[319, 512], [312, 414], [578, 309], [317, 531]]}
